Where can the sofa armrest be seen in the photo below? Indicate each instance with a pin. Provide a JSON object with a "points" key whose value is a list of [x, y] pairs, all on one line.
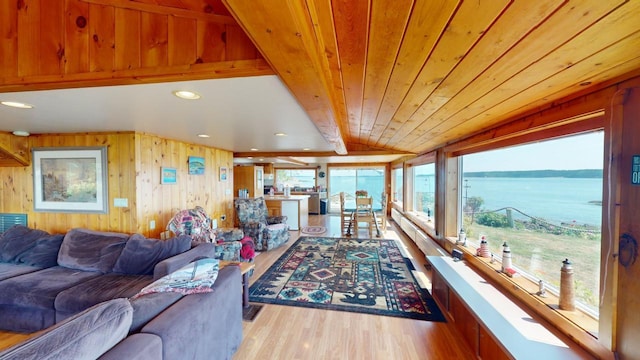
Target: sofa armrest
{"points": [[214, 316], [282, 219], [169, 265], [136, 347]]}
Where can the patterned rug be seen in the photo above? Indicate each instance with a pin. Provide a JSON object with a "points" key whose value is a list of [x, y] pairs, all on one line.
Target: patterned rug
{"points": [[314, 230], [359, 275]]}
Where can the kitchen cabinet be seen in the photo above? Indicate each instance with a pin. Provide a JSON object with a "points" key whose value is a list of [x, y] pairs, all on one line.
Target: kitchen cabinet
{"points": [[294, 207], [250, 178]]}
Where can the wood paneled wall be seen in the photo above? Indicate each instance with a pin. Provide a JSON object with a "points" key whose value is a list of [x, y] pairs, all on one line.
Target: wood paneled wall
{"points": [[134, 162], [16, 192], [160, 202], [79, 43]]}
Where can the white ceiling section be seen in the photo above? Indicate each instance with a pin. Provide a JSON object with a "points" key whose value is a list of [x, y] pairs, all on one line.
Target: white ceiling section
{"points": [[238, 113]]}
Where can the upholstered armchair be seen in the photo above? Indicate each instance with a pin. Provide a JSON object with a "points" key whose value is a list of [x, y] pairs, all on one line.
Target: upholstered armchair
{"points": [[230, 243], [267, 232]]}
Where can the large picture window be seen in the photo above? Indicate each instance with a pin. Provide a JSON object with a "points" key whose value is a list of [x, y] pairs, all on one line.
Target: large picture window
{"points": [[296, 179], [349, 180], [545, 201], [397, 179], [424, 190]]}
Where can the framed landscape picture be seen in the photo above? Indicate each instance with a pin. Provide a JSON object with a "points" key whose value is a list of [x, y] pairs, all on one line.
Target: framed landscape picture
{"points": [[223, 174], [70, 179], [196, 165], [168, 175]]}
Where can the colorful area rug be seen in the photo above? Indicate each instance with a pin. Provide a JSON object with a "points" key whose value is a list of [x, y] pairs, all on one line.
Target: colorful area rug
{"points": [[314, 230], [359, 275]]}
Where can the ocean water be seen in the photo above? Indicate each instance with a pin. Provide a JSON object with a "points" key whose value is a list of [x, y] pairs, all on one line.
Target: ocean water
{"points": [[558, 200]]}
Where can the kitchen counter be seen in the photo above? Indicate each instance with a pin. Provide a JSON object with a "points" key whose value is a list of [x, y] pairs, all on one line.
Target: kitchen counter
{"points": [[295, 207], [314, 199]]}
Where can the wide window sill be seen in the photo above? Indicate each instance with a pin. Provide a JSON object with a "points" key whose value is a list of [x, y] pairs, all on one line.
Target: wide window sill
{"points": [[577, 324]]}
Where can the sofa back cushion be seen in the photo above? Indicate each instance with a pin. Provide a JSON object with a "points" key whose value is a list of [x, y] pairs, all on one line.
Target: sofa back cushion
{"points": [[44, 253], [86, 335], [140, 255], [18, 239], [89, 250]]}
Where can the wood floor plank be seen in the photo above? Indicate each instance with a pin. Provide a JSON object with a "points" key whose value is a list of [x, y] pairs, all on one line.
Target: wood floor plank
{"points": [[287, 332]]}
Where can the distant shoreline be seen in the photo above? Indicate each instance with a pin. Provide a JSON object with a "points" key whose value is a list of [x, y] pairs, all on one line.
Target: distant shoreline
{"points": [[573, 174]]}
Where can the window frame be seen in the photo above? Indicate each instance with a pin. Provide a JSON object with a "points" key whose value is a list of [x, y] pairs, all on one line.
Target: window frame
{"points": [[523, 131], [315, 170]]}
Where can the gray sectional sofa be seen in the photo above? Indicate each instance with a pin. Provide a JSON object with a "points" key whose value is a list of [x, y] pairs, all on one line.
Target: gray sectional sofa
{"points": [[55, 279]]}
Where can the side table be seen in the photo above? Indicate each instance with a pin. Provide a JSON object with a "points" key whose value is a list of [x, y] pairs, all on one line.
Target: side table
{"points": [[245, 269]]}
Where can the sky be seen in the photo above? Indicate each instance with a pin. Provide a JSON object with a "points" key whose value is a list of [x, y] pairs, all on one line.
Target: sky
{"points": [[570, 153]]}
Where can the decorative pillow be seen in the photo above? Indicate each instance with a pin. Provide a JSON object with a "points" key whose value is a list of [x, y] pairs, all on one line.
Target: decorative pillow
{"points": [[140, 255], [89, 250], [44, 253], [18, 239], [193, 278]]}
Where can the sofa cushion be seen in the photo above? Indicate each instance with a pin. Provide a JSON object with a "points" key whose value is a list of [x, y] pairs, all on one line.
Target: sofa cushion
{"points": [[96, 290], [18, 239], [10, 270], [44, 253], [40, 288], [84, 336], [90, 250], [140, 255]]}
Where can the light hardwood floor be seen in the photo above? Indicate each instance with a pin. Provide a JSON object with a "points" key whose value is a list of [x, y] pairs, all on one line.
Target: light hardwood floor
{"points": [[286, 332]]}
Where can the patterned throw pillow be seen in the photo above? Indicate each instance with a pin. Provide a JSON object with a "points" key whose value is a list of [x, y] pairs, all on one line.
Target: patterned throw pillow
{"points": [[194, 278]]}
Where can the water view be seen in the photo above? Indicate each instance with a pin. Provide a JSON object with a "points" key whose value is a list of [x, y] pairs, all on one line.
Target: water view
{"points": [[557, 200]]}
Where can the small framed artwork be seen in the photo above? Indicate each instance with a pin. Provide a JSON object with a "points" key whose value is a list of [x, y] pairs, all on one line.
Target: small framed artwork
{"points": [[223, 174], [196, 165], [168, 176], [70, 180]]}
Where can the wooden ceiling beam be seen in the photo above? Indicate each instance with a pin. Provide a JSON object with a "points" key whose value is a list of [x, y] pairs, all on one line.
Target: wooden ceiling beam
{"points": [[256, 154], [216, 70], [165, 10], [285, 35]]}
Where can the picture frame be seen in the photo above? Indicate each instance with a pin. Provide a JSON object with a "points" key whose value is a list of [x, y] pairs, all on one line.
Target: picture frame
{"points": [[70, 179], [168, 176], [223, 174], [196, 165]]}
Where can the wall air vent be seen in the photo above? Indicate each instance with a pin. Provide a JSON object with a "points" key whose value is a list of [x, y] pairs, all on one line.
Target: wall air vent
{"points": [[8, 220]]}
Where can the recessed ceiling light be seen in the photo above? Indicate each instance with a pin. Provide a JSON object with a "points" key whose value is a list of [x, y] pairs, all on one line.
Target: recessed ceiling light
{"points": [[250, 157], [306, 149], [280, 134], [21, 133], [204, 136], [16, 104], [261, 159], [187, 95], [254, 149]]}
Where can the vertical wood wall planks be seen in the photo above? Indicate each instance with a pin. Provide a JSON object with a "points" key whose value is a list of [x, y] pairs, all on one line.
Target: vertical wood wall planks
{"points": [[238, 45], [9, 39], [210, 46], [76, 42], [127, 39], [154, 40], [28, 37], [182, 41], [101, 38], [52, 39]]}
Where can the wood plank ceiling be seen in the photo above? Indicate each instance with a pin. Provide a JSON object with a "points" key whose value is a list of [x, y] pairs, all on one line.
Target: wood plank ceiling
{"points": [[411, 76]]}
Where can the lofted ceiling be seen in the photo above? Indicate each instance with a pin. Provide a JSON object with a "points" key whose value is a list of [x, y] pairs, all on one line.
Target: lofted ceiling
{"points": [[414, 75], [364, 80]]}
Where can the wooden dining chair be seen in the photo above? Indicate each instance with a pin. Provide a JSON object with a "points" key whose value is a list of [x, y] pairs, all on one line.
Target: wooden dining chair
{"points": [[345, 217], [364, 214]]}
